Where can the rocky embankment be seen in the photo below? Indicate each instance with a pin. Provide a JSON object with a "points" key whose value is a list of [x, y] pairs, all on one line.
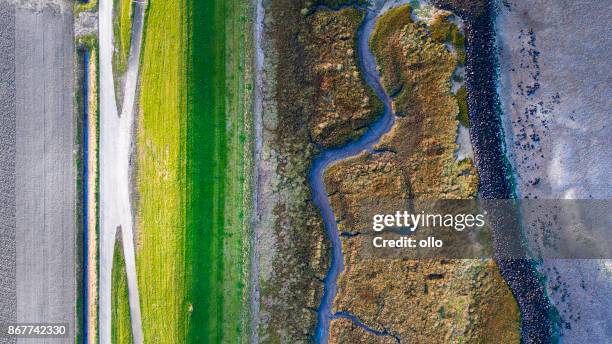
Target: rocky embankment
{"points": [[496, 180]]}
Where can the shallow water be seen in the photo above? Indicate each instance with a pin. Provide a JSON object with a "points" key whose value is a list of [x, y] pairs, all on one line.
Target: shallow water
{"points": [[85, 303]]}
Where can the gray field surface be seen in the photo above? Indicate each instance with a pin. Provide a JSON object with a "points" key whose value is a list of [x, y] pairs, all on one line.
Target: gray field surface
{"points": [[7, 166], [42, 217]]}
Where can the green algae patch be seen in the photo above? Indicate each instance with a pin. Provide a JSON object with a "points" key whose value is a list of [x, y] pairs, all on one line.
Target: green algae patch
{"points": [[121, 328], [462, 116]]}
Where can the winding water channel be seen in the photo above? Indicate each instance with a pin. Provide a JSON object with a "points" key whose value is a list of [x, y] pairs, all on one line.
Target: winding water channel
{"points": [[367, 65]]}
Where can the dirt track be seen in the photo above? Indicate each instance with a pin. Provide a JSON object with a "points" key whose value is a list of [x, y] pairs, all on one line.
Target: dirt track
{"points": [[115, 143]]}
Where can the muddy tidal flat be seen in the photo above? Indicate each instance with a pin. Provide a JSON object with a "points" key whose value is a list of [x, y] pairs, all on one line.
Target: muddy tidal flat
{"points": [[555, 90]]}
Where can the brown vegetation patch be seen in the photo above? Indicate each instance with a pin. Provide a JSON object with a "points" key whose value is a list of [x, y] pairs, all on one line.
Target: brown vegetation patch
{"points": [[344, 105], [438, 301]]}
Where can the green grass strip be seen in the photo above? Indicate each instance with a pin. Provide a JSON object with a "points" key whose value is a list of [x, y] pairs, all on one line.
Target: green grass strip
{"points": [[121, 328], [160, 256], [122, 26], [194, 171], [206, 165], [219, 150], [238, 174]]}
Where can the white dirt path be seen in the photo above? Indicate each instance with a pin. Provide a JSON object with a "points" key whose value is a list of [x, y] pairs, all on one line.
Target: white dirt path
{"points": [[115, 143]]}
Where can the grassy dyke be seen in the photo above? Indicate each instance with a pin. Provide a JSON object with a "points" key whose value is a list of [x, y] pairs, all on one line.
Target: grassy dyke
{"points": [[238, 173], [193, 209], [121, 328], [219, 150], [206, 162], [242, 141], [160, 258]]}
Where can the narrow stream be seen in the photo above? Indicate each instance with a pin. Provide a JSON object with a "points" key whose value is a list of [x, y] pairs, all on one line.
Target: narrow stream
{"points": [[367, 64], [358, 322], [85, 303]]}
